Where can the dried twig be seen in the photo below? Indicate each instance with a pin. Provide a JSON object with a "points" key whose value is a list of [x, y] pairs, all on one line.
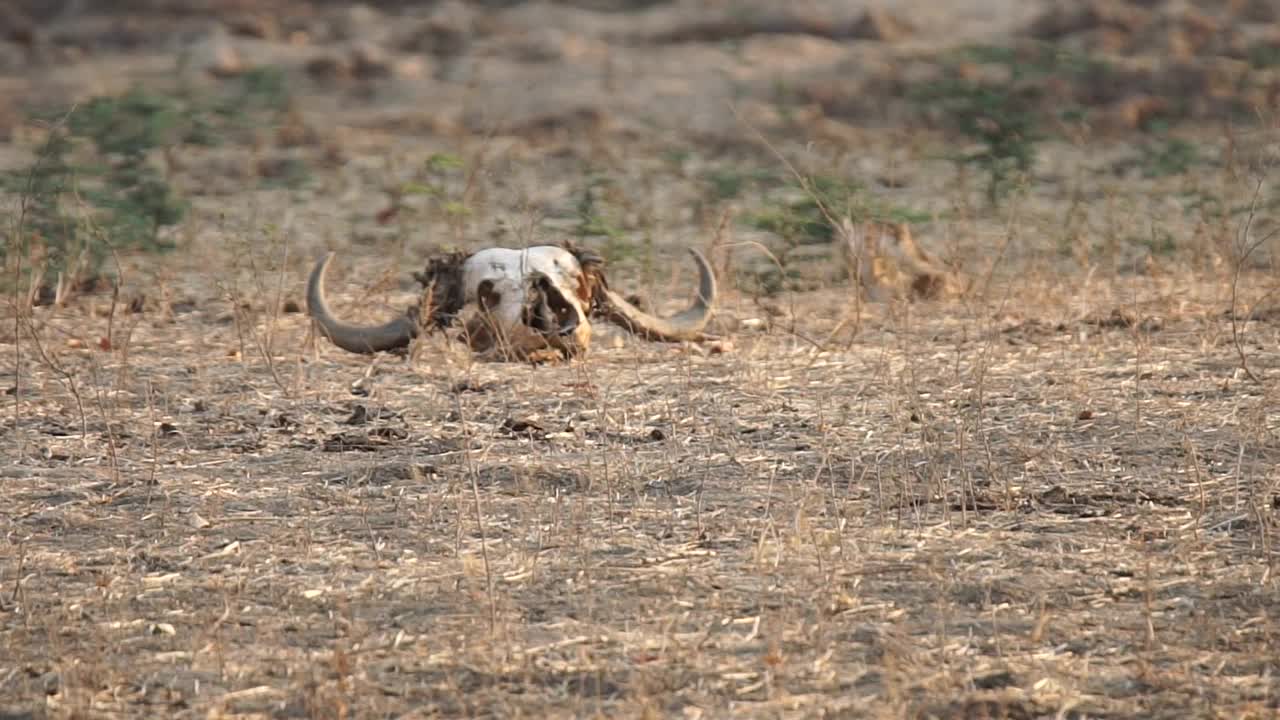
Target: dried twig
{"points": [[1242, 249]]}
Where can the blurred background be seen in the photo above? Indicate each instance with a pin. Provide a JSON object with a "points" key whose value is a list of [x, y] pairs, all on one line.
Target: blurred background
{"points": [[631, 123]]}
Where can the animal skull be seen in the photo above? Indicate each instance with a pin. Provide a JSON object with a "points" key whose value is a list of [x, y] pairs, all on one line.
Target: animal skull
{"points": [[531, 303]]}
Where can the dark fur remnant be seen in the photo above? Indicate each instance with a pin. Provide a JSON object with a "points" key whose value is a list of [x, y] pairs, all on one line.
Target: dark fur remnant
{"points": [[443, 294]]}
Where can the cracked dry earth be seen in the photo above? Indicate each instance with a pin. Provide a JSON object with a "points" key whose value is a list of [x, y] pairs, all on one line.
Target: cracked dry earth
{"points": [[1052, 496]]}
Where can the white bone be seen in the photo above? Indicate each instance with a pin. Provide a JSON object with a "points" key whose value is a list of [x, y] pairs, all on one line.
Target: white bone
{"points": [[510, 271], [545, 285]]}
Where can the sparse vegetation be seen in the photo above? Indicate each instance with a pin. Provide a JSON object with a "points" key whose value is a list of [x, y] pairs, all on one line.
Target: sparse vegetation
{"points": [[592, 221], [1053, 494], [800, 213], [99, 158], [443, 181], [996, 97], [1265, 55], [1168, 156], [726, 183], [596, 222], [802, 218], [101, 180]]}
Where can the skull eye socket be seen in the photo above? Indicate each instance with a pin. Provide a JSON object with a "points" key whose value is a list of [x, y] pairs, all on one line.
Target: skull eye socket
{"points": [[487, 296], [548, 311], [564, 312]]}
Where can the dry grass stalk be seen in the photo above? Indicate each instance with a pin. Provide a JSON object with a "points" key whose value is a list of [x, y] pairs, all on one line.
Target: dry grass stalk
{"points": [[888, 264]]}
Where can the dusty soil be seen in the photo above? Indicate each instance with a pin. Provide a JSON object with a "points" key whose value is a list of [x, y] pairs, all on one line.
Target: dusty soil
{"points": [[1054, 495]]}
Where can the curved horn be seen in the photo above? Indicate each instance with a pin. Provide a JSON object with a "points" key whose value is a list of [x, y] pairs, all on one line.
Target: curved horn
{"points": [[354, 338], [686, 325]]}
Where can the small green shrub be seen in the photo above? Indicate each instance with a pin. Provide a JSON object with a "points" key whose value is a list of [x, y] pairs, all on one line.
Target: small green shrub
{"points": [[806, 218], [596, 221], [99, 182], [1264, 55], [1002, 105], [1160, 242], [1168, 156], [729, 183], [442, 180], [136, 198], [802, 221]]}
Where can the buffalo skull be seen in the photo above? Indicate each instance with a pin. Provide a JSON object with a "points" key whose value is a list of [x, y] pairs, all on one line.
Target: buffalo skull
{"points": [[531, 304]]}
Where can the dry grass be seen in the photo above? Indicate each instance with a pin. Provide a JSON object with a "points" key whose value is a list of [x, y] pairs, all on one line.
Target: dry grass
{"points": [[1009, 517], [1054, 496]]}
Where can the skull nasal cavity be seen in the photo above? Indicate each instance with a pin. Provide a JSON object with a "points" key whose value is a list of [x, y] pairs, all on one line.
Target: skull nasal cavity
{"points": [[548, 311], [489, 299]]}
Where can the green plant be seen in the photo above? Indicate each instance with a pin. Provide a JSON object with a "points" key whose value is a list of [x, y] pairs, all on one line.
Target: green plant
{"points": [[1160, 242], [287, 172], [805, 216], [1264, 55], [95, 186], [592, 222], [239, 109], [729, 183], [1203, 203], [1168, 156], [676, 157], [595, 221], [433, 182], [441, 163], [804, 219], [262, 88], [99, 182], [995, 96], [136, 199], [433, 179]]}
